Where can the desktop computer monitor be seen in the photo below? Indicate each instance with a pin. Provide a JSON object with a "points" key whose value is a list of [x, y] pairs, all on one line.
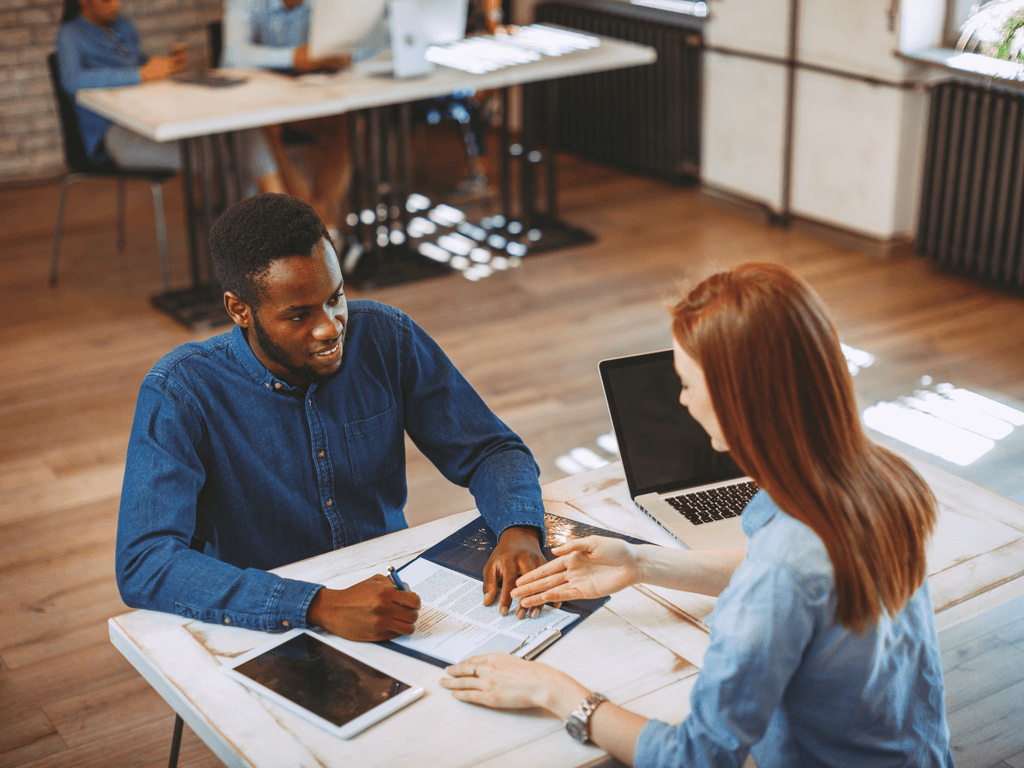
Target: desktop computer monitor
{"points": [[337, 27]]}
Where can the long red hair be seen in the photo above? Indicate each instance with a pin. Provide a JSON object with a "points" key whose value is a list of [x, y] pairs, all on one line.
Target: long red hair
{"points": [[783, 396]]}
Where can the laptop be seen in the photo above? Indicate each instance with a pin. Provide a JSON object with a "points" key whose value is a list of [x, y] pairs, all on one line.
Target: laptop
{"points": [[674, 475]]}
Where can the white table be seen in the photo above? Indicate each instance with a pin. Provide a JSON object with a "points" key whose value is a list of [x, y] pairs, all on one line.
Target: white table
{"points": [[168, 110], [643, 649]]}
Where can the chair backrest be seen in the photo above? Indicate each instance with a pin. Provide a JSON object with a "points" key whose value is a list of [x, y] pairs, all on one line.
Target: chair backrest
{"points": [[214, 38], [75, 155]]}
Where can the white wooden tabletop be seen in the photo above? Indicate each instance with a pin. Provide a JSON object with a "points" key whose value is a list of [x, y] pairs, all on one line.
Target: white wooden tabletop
{"points": [[643, 649], [167, 110]]}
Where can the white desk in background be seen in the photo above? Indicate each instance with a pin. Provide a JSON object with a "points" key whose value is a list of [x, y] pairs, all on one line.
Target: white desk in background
{"points": [[200, 116], [643, 649]]}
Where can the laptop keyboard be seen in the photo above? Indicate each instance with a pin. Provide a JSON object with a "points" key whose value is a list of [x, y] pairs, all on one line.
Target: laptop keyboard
{"points": [[714, 503]]}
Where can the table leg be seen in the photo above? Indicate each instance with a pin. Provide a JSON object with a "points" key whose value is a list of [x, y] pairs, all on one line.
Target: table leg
{"points": [[506, 177], [543, 230], [190, 206], [201, 305], [388, 263]]}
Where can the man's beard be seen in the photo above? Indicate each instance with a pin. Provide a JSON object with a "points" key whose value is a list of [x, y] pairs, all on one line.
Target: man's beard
{"points": [[277, 353]]}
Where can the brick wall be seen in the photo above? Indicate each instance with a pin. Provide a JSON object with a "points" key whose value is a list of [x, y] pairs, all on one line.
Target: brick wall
{"points": [[30, 139]]}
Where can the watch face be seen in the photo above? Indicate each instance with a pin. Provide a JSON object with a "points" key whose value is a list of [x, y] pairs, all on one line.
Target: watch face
{"points": [[577, 729]]}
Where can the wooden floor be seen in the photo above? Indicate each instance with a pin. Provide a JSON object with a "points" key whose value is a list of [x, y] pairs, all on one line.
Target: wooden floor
{"points": [[528, 339]]}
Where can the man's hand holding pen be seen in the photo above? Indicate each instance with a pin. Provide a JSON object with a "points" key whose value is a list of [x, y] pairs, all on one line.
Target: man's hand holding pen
{"points": [[370, 610]]}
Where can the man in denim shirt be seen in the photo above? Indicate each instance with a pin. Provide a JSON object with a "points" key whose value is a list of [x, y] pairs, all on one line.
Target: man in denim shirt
{"points": [[285, 438]]}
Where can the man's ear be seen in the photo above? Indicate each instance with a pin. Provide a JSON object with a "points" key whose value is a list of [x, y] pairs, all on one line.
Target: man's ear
{"points": [[238, 310]]}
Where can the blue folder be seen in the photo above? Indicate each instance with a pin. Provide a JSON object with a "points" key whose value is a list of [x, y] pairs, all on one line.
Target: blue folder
{"points": [[468, 549]]}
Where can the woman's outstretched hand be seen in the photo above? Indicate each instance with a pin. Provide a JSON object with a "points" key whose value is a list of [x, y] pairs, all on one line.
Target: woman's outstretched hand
{"points": [[594, 566]]}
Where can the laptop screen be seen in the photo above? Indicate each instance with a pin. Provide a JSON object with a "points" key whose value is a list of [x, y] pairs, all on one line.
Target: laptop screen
{"points": [[662, 447]]}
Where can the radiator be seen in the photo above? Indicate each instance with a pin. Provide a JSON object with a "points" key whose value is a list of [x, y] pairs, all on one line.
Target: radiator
{"points": [[973, 196], [644, 119]]}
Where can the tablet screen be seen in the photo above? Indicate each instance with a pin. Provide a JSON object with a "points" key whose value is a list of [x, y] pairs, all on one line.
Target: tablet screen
{"points": [[322, 679]]}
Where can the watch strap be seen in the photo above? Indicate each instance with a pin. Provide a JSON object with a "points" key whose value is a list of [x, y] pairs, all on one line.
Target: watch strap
{"points": [[580, 717]]}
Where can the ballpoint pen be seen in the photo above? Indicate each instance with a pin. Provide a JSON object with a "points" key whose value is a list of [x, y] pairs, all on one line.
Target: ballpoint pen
{"points": [[394, 577]]}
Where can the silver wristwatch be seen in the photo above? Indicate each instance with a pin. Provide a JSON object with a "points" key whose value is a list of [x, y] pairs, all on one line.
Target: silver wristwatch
{"points": [[578, 723]]}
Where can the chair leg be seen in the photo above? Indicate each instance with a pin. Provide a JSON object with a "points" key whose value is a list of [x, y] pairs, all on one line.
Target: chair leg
{"points": [[161, 234], [121, 239], [176, 741], [59, 234]]}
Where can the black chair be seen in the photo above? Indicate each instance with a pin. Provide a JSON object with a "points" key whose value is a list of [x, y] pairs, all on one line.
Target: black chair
{"points": [[83, 168]]}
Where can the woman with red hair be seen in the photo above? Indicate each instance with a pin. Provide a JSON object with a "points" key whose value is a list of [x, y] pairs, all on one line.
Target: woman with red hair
{"points": [[823, 646]]}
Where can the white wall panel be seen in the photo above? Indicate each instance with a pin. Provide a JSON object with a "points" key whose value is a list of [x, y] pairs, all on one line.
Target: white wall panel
{"points": [[854, 166], [755, 26], [742, 137], [849, 35]]}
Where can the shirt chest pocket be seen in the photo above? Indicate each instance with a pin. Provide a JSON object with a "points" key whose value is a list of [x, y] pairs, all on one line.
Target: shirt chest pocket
{"points": [[375, 447]]}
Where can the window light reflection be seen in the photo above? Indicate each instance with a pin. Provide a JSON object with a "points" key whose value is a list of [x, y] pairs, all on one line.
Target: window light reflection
{"points": [[953, 423]]}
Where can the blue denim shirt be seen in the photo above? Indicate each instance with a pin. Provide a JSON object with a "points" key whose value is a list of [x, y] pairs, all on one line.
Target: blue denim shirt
{"points": [[267, 474], [90, 56], [785, 682]]}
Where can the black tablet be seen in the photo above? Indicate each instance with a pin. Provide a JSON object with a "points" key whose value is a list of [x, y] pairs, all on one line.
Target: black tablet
{"points": [[316, 679]]}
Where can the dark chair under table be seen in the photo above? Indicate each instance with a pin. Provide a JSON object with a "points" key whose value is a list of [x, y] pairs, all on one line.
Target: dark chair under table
{"points": [[83, 168]]}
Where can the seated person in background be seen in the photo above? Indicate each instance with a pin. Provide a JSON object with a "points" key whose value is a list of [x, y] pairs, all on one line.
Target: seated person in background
{"points": [[285, 438], [823, 645], [97, 47], [273, 34]]}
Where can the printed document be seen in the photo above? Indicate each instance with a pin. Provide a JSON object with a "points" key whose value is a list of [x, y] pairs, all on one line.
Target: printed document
{"points": [[454, 624]]}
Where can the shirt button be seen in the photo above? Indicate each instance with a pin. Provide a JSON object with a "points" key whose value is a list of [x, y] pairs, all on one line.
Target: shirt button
{"points": [[267, 386], [310, 401], [330, 502], [227, 619], [277, 385], [286, 623], [320, 454]]}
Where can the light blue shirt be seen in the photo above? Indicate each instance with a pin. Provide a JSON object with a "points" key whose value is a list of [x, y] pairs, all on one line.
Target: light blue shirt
{"points": [[263, 34], [90, 56], [784, 681]]}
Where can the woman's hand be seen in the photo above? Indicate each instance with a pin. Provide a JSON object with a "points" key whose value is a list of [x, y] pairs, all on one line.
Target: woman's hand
{"points": [[160, 67], [501, 681], [590, 567]]}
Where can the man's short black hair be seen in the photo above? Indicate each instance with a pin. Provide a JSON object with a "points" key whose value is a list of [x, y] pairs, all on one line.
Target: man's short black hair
{"points": [[252, 233]]}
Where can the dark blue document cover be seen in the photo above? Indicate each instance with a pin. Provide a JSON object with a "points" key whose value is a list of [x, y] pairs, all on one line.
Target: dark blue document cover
{"points": [[468, 549]]}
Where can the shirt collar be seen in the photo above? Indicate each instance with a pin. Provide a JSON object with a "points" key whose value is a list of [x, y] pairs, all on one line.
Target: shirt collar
{"points": [[278, 6], [240, 346], [758, 513]]}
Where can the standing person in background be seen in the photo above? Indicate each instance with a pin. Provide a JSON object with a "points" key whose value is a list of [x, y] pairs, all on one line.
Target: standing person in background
{"points": [[273, 34], [823, 646], [98, 47]]}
